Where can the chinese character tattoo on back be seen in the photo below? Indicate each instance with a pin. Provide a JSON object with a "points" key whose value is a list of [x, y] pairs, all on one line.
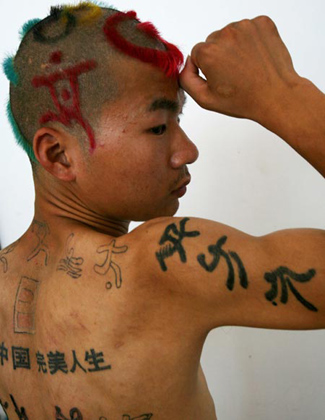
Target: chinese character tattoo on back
{"points": [[4, 256], [110, 250], [41, 230], [25, 306], [71, 264]]}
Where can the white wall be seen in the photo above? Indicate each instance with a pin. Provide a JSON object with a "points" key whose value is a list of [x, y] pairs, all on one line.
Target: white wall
{"points": [[246, 177]]}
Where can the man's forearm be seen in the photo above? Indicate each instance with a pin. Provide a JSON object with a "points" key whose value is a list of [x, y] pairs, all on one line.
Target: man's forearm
{"points": [[298, 117]]}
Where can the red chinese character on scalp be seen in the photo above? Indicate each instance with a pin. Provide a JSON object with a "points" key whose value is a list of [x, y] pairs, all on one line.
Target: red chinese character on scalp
{"points": [[68, 111]]}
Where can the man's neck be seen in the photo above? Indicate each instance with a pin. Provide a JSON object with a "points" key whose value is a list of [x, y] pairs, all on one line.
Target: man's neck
{"points": [[62, 215]]}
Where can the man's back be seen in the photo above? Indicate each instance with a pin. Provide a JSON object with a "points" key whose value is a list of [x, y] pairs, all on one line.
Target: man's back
{"points": [[85, 326]]}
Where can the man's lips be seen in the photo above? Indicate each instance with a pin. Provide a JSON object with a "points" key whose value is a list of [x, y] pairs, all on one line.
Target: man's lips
{"points": [[181, 190]]}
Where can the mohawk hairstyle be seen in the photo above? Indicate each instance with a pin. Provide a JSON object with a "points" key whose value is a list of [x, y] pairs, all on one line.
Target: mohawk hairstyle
{"points": [[63, 70]]}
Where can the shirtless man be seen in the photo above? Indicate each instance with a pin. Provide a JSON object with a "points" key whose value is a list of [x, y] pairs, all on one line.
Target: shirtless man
{"points": [[97, 323]]}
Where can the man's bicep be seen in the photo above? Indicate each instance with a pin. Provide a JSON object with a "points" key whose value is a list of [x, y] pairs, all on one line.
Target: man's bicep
{"points": [[231, 278]]}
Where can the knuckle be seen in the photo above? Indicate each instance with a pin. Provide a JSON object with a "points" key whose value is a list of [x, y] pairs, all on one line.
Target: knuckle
{"points": [[265, 21], [203, 50], [213, 36]]}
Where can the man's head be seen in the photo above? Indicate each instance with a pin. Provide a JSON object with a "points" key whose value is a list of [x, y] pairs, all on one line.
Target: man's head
{"points": [[79, 77]]}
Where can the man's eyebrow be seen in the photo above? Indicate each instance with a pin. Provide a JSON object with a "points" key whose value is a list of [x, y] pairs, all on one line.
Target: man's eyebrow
{"points": [[167, 104]]}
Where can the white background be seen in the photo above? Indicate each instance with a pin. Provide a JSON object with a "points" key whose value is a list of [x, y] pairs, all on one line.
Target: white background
{"points": [[246, 177]]}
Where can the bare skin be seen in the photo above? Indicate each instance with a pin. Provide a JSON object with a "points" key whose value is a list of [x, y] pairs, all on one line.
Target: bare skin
{"points": [[99, 323]]}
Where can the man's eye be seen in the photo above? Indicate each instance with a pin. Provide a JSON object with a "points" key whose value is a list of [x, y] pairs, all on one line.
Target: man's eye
{"points": [[159, 130]]}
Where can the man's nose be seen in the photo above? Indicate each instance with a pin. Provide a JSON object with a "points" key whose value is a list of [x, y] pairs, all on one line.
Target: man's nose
{"points": [[184, 152]]}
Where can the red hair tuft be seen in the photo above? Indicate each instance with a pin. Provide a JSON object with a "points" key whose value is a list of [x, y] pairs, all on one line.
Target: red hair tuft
{"points": [[170, 61]]}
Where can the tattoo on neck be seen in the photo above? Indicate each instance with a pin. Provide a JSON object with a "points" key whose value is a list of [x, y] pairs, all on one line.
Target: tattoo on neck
{"points": [[41, 230], [71, 264]]}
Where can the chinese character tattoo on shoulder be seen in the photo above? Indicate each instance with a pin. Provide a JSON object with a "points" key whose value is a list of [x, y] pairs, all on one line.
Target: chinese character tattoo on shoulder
{"points": [[71, 264], [172, 242], [109, 251]]}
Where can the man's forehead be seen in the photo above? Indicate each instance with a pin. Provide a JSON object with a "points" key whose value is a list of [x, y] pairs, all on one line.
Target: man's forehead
{"points": [[165, 103]]}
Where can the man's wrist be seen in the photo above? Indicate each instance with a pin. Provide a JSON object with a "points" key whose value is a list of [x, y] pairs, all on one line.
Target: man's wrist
{"points": [[297, 115]]}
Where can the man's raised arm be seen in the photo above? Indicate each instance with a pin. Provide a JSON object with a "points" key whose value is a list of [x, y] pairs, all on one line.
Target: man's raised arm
{"points": [[217, 275], [249, 74]]}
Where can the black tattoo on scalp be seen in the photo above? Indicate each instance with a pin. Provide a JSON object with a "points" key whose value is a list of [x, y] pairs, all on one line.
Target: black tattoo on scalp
{"points": [[41, 229], [175, 237], [56, 14], [108, 263], [142, 417], [217, 252], [71, 264], [285, 276], [25, 306]]}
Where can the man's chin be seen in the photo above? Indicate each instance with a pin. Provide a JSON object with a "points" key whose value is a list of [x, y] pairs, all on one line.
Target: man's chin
{"points": [[166, 212]]}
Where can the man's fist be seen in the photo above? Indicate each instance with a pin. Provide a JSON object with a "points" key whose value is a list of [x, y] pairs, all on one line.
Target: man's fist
{"points": [[247, 67]]}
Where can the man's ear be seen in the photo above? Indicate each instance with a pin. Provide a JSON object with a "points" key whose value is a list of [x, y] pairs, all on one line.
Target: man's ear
{"points": [[54, 151]]}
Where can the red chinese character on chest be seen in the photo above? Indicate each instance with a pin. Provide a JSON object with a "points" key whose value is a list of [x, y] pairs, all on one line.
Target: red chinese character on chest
{"points": [[63, 86]]}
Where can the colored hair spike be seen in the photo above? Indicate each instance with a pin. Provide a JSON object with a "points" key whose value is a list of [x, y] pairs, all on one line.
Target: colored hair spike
{"points": [[20, 139], [9, 70], [27, 27], [170, 60], [93, 12]]}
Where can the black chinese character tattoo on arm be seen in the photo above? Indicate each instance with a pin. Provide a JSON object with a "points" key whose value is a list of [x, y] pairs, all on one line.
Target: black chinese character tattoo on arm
{"points": [[71, 264], [218, 253], [285, 277], [172, 242]]}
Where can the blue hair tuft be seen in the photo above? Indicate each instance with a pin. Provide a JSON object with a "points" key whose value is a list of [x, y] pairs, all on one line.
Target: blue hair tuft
{"points": [[28, 26], [9, 70], [20, 139]]}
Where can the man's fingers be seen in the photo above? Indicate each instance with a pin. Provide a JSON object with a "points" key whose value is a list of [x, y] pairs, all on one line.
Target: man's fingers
{"points": [[193, 84]]}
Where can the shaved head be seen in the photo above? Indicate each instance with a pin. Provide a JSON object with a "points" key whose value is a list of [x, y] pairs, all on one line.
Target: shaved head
{"points": [[67, 68]]}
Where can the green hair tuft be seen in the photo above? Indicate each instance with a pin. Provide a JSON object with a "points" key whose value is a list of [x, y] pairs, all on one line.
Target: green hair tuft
{"points": [[20, 139], [9, 70], [28, 26]]}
